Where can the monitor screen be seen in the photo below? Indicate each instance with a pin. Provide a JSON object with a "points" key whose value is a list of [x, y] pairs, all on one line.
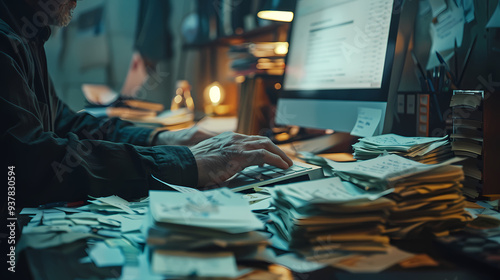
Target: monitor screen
{"points": [[340, 60]]}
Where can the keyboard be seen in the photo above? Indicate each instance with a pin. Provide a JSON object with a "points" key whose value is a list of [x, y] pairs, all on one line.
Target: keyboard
{"points": [[260, 176]]}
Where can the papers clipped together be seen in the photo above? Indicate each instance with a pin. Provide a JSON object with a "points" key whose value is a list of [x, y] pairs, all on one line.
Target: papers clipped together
{"points": [[328, 218], [421, 149], [213, 227]]}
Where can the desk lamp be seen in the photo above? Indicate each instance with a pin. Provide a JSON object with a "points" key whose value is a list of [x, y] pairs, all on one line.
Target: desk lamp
{"points": [[277, 10], [214, 95]]}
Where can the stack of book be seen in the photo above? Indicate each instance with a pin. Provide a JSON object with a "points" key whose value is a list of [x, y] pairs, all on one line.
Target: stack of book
{"points": [[421, 149], [467, 138], [201, 233], [258, 58], [428, 197], [327, 218]]}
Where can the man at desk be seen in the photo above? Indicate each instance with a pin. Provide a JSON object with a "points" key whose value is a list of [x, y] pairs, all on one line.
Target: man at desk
{"points": [[59, 155]]}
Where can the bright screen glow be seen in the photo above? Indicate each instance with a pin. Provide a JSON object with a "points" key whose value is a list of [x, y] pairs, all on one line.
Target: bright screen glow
{"points": [[339, 50]]}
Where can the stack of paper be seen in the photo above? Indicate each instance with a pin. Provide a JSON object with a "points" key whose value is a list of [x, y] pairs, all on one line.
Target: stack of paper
{"points": [[201, 233], [421, 149], [428, 196], [112, 219], [327, 218]]}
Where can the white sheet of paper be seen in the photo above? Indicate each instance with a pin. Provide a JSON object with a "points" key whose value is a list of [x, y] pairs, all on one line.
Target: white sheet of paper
{"points": [[328, 190], [494, 21], [448, 29], [117, 202], [468, 6], [397, 140], [437, 7], [68, 209], [261, 205], [219, 209], [293, 262], [53, 215], [380, 167], [30, 211], [367, 122], [255, 197], [181, 189], [104, 256], [129, 225], [186, 265], [388, 166]]}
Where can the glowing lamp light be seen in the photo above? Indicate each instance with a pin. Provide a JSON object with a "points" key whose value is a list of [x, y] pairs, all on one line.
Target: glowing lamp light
{"points": [[215, 94], [284, 16], [282, 48]]}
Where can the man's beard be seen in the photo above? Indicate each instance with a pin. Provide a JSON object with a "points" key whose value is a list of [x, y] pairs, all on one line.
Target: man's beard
{"points": [[64, 13]]}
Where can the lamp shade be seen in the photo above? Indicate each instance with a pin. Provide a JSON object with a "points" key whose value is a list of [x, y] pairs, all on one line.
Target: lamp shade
{"points": [[277, 10]]}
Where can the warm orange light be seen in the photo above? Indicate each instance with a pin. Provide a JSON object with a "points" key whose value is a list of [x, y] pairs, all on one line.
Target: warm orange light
{"points": [[281, 48], [239, 79]]}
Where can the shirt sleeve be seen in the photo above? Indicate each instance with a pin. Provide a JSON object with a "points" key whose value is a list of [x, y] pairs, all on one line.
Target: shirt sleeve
{"points": [[87, 126], [81, 155]]}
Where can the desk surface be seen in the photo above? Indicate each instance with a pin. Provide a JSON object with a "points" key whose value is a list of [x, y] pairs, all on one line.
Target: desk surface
{"points": [[63, 263]]}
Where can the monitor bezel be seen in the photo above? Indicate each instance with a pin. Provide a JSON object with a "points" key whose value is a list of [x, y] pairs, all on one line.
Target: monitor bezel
{"points": [[352, 94]]}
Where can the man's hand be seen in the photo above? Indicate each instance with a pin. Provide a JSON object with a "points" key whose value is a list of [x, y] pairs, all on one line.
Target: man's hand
{"points": [[222, 156], [185, 137]]}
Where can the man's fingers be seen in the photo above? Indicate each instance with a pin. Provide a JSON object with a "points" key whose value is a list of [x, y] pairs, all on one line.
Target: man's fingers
{"points": [[262, 156], [265, 143]]}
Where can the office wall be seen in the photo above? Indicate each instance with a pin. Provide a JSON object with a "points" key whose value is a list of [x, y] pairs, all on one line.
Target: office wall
{"points": [[65, 55], [484, 60], [70, 51]]}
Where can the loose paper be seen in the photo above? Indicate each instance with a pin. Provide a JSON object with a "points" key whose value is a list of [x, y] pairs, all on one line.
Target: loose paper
{"points": [[367, 122], [448, 28], [293, 262], [104, 256], [193, 264]]}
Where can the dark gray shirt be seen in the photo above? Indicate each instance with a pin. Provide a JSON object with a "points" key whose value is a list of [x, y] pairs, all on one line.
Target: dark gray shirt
{"points": [[60, 155]]}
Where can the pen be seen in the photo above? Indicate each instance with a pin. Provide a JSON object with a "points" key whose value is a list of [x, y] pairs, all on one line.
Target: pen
{"points": [[61, 204], [443, 62], [424, 83], [455, 49], [466, 61]]}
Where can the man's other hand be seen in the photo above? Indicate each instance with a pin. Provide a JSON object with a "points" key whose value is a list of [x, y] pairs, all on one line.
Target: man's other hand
{"points": [[222, 156], [185, 137]]}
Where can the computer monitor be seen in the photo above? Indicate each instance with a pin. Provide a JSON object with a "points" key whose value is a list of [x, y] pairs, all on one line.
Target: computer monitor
{"points": [[339, 62]]}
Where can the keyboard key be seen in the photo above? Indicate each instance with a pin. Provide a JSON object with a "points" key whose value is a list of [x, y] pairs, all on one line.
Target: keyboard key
{"points": [[271, 174]]}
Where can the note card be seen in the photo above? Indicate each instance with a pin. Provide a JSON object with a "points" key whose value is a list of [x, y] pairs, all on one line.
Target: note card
{"points": [[367, 122]]}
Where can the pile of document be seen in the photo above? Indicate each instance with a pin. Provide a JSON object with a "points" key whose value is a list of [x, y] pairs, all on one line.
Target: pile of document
{"points": [[111, 225], [202, 234], [327, 218], [421, 149], [428, 197]]}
